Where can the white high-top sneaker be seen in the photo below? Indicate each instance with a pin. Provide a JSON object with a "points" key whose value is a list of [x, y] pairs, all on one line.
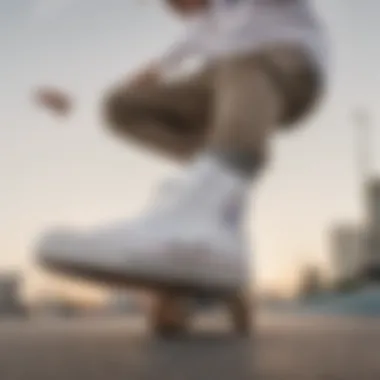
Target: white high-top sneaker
{"points": [[194, 239]]}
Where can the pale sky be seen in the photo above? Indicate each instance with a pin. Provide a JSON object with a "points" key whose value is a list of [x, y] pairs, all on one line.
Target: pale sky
{"points": [[59, 172]]}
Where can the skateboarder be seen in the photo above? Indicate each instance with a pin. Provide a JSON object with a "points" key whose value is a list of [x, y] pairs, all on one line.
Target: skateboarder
{"points": [[264, 68]]}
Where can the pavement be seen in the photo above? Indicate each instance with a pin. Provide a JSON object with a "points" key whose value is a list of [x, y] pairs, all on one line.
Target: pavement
{"points": [[283, 348]]}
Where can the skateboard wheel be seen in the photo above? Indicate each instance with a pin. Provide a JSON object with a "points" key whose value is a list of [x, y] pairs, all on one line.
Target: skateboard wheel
{"points": [[170, 316], [172, 311], [241, 314]]}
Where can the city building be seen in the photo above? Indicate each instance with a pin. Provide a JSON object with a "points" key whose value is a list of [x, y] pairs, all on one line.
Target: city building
{"points": [[348, 253], [372, 257], [54, 307], [311, 282], [120, 303], [10, 299]]}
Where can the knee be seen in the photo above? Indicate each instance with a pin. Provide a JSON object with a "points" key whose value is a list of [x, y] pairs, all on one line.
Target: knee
{"points": [[116, 108]]}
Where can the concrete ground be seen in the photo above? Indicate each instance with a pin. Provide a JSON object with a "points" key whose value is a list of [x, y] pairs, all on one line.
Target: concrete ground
{"points": [[284, 348]]}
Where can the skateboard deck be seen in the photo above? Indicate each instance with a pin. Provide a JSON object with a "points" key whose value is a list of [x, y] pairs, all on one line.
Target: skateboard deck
{"points": [[171, 313]]}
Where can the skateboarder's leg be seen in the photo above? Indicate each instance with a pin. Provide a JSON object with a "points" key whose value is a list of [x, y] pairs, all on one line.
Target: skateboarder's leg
{"points": [[203, 220], [194, 240], [257, 95], [253, 96], [168, 117]]}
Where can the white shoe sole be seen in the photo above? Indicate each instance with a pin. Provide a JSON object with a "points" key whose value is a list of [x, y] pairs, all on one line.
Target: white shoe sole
{"points": [[184, 279]]}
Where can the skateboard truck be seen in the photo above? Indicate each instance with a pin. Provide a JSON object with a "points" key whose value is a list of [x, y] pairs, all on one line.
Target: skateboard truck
{"points": [[172, 312]]}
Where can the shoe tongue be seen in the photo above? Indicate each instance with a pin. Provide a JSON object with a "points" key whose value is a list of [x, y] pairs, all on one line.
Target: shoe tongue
{"points": [[206, 188]]}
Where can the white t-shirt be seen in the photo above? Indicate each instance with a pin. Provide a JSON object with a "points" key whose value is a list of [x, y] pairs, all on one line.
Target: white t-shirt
{"points": [[231, 27]]}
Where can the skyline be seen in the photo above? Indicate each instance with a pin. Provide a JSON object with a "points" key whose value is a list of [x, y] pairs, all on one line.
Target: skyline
{"points": [[72, 172]]}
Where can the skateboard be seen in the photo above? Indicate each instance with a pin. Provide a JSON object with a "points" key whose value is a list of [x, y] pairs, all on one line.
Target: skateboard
{"points": [[171, 314]]}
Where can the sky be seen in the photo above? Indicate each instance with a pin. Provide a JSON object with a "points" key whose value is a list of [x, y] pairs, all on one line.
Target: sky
{"points": [[56, 171]]}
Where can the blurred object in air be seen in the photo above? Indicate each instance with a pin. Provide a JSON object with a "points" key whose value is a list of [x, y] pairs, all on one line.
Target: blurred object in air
{"points": [[53, 99]]}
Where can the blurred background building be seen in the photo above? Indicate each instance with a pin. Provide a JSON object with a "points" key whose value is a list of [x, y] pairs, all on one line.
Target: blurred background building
{"points": [[122, 303], [356, 250], [347, 246], [55, 307], [311, 282], [11, 304], [372, 254]]}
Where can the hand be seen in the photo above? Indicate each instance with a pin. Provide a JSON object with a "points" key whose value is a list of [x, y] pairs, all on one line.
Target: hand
{"points": [[54, 100], [148, 76]]}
